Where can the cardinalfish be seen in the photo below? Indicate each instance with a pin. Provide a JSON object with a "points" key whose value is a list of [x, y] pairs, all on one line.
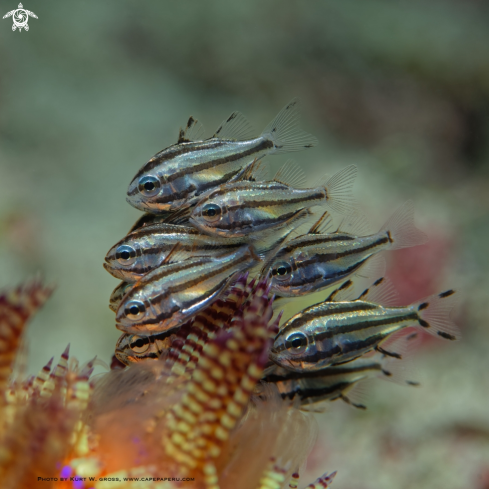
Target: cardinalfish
{"points": [[117, 295], [180, 173], [334, 332], [315, 261], [170, 295], [335, 382], [237, 209], [150, 246], [131, 348]]}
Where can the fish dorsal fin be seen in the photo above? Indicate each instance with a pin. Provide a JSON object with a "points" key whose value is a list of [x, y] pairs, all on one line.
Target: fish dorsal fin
{"points": [[322, 225], [256, 171], [236, 126], [194, 131], [355, 224], [290, 174], [341, 293], [381, 292]]}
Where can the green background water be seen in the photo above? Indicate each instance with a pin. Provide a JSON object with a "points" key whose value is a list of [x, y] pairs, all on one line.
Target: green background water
{"points": [[401, 89]]}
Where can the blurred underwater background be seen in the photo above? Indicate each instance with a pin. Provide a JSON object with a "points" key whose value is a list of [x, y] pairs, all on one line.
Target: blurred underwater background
{"points": [[400, 89]]}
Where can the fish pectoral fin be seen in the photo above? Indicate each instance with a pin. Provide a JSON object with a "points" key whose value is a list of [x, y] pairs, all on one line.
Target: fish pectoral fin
{"points": [[235, 127]]}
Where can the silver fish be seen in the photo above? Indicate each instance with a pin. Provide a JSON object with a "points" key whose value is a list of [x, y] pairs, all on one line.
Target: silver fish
{"points": [[170, 295], [117, 295], [335, 382], [337, 332], [149, 247], [132, 348], [238, 209], [180, 173], [315, 261]]}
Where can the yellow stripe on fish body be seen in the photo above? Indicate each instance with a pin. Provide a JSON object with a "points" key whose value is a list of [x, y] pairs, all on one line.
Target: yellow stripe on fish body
{"points": [[183, 171], [336, 332], [241, 208], [170, 295]]}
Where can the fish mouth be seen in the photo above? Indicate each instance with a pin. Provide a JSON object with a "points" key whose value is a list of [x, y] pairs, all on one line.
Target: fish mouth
{"points": [[142, 206], [115, 272]]}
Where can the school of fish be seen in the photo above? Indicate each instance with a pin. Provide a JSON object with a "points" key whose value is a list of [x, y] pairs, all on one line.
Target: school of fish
{"points": [[216, 226]]}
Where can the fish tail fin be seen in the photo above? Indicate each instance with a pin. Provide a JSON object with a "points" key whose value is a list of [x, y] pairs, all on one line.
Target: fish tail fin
{"points": [[401, 230], [434, 315], [285, 133], [339, 188]]}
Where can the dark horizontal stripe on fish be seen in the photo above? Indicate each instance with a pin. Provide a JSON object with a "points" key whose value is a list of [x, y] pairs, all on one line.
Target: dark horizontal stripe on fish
{"points": [[313, 242], [246, 186], [331, 276], [172, 269], [319, 312], [185, 305], [364, 325], [168, 229], [254, 223], [177, 150], [324, 373], [196, 281], [273, 203], [192, 249], [318, 392], [264, 144]]}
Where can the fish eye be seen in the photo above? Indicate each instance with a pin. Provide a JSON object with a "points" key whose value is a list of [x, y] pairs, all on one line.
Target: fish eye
{"points": [[149, 186], [281, 270], [125, 255], [139, 344], [134, 310], [211, 212], [296, 343]]}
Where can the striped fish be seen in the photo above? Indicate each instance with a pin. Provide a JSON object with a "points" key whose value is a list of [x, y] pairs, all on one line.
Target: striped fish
{"points": [[315, 261], [131, 348], [237, 209], [337, 332], [170, 295], [178, 174], [333, 382], [149, 247], [117, 294]]}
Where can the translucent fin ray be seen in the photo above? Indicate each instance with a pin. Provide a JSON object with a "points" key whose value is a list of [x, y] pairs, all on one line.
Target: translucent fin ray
{"points": [[284, 132], [291, 174], [339, 189], [401, 230], [236, 127]]}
